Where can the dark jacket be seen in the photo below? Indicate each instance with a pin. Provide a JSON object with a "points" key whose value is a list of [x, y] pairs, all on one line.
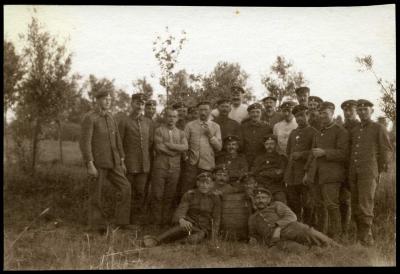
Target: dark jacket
{"points": [[269, 169], [236, 167], [100, 140]]}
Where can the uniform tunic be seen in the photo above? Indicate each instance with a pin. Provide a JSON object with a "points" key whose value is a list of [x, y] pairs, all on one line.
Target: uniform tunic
{"points": [[282, 131]]}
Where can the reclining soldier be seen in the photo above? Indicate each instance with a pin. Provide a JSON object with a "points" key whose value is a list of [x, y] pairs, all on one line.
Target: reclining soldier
{"points": [[274, 222], [197, 216]]}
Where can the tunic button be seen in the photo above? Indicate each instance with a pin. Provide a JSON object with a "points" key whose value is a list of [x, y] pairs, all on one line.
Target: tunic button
{"points": [[355, 160], [322, 134], [356, 153], [357, 145]]}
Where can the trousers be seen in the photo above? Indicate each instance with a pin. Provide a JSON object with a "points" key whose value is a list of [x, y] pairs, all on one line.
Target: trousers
{"points": [[138, 183]]}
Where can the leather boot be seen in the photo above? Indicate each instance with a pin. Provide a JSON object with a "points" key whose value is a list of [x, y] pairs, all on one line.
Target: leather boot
{"points": [[334, 229], [345, 214], [366, 238]]}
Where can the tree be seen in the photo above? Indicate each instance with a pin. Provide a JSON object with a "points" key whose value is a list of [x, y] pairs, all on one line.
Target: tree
{"points": [[48, 87], [95, 85], [219, 82], [282, 80], [388, 89], [122, 102], [166, 50], [142, 86], [185, 87]]}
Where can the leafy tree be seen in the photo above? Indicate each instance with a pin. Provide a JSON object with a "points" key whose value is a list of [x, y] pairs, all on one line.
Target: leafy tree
{"points": [[282, 79], [122, 102], [388, 89], [95, 85], [166, 50], [185, 87], [142, 86]]}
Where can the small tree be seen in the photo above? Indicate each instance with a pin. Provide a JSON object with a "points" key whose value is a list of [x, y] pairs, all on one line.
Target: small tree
{"points": [[388, 89], [282, 80], [142, 86]]}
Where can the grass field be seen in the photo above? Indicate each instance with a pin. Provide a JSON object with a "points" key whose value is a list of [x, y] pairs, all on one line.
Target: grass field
{"points": [[57, 240]]}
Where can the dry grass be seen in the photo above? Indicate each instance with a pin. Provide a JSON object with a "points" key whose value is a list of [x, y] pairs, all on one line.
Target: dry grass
{"points": [[57, 240]]}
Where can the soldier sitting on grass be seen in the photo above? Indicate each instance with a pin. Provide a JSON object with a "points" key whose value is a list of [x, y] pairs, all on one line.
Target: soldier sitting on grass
{"points": [[197, 216], [274, 222]]}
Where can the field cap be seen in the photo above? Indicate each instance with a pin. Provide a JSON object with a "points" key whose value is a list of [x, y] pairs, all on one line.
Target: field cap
{"points": [[288, 105], [273, 98], [254, 106], [237, 89], [364, 103], [302, 90], [204, 176], [262, 190], [231, 138], [220, 168], [101, 93], [270, 137], [223, 100], [298, 109], [348, 103], [138, 97], [179, 105], [326, 105]]}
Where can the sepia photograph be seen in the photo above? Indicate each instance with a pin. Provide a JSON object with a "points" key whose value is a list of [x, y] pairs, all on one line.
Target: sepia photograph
{"points": [[174, 137]]}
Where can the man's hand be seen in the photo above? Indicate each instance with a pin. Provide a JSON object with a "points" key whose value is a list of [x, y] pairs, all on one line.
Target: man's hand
{"points": [[252, 241], [276, 236], [296, 155], [206, 130], [169, 145], [185, 224], [305, 179], [318, 152], [123, 166], [92, 171]]}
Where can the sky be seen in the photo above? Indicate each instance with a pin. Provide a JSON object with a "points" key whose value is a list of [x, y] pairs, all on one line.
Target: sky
{"points": [[116, 42]]}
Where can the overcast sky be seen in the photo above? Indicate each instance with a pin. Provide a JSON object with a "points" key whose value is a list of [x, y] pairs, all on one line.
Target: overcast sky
{"points": [[116, 42]]}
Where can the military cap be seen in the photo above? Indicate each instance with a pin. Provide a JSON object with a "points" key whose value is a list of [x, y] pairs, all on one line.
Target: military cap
{"points": [[179, 105], [348, 103], [326, 104], [223, 100], [262, 190], [269, 97], [101, 93], [364, 103], [270, 137], [230, 138], [254, 106], [299, 108], [315, 99], [221, 167], [204, 175], [236, 89], [287, 105], [151, 103], [302, 90], [138, 97], [191, 109], [204, 103]]}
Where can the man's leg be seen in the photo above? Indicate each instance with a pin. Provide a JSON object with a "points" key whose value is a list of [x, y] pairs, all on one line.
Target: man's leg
{"points": [[170, 195], [123, 205], [366, 198], [308, 205], [293, 197], [345, 208], [355, 208], [330, 196], [320, 209], [157, 191], [138, 183], [189, 179], [96, 217]]}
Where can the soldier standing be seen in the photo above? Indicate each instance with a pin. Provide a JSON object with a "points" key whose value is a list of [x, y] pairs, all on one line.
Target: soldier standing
{"points": [[283, 128], [253, 132], [302, 94], [268, 169], [227, 125], [137, 134], [239, 110], [150, 109], [370, 148], [325, 169], [193, 113], [298, 150], [103, 155], [270, 115]]}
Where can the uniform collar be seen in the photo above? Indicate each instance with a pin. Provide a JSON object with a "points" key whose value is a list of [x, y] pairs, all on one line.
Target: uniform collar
{"points": [[328, 126], [140, 117], [101, 112], [365, 123]]}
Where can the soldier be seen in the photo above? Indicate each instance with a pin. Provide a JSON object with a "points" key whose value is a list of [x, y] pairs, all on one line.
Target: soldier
{"points": [[137, 133], [150, 109], [283, 128], [204, 138], [326, 171], [198, 215], [370, 148], [270, 115], [349, 108], [239, 110], [234, 162], [298, 150], [314, 103], [182, 115], [169, 142], [302, 94], [274, 222], [228, 126], [103, 156], [268, 169], [253, 133]]}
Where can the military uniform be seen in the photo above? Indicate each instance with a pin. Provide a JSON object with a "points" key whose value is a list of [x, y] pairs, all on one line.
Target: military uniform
{"points": [[101, 143], [370, 147], [328, 173], [236, 166]]}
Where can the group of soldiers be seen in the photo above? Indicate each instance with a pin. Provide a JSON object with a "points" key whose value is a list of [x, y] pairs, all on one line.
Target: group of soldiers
{"points": [[305, 175]]}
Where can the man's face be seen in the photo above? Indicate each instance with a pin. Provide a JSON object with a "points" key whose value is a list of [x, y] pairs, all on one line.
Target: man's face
{"points": [[364, 113], [204, 112], [236, 98], [221, 178], [262, 200], [326, 116], [104, 102], [205, 184], [150, 110], [255, 114], [312, 105], [137, 106], [350, 113], [270, 145], [182, 113], [269, 104], [301, 118], [194, 114], [232, 147], [302, 98], [287, 113], [171, 117], [224, 109]]}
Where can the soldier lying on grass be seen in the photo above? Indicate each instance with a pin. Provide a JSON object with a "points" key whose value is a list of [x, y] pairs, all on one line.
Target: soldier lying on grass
{"points": [[274, 222], [197, 216]]}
